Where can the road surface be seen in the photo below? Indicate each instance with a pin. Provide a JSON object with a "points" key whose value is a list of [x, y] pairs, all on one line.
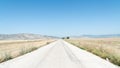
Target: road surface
{"points": [[59, 54]]}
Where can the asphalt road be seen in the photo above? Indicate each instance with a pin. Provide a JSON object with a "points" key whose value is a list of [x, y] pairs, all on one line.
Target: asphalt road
{"points": [[58, 54]]}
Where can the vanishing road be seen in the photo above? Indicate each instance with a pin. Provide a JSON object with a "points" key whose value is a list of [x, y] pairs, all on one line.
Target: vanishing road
{"points": [[58, 54]]}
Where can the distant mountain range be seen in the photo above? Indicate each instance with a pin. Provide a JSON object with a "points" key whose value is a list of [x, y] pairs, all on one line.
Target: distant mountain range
{"points": [[97, 36], [24, 36], [28, 36]]}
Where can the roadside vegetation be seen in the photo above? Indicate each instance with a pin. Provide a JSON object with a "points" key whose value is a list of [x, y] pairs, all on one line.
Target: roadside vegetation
{"points": [[106, 48], [13, 49]]}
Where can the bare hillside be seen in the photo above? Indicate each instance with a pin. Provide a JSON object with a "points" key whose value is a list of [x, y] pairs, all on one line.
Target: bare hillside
{"points": [[24, 36]]}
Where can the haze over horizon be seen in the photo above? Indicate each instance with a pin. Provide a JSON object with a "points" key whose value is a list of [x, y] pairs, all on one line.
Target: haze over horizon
{"points": [[60, 17]]}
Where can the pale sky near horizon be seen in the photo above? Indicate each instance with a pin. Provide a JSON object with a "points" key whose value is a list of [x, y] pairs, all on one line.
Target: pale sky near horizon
{"points": [[60, 17]]}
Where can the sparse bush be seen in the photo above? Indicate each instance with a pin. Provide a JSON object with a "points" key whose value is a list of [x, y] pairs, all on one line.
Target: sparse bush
{"points": [[27, 50], [1, 57], [67, 37], [23, 51], [7, 56], [48, 43]]}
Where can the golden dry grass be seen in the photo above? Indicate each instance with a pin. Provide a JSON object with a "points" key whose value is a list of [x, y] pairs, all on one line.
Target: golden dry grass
{"points": [[11, 49], [107, 48]]}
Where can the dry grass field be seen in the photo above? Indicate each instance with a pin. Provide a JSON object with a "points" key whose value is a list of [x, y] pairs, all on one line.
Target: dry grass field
{"points": [[107, 48], [11, 49]]}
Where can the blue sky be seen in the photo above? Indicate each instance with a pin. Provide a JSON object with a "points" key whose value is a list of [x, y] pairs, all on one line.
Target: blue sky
{"points": [[60, 17]]}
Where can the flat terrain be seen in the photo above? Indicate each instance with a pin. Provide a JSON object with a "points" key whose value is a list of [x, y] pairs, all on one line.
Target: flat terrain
{"points": [[14, 48], [58, 54], [106, 48]]}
